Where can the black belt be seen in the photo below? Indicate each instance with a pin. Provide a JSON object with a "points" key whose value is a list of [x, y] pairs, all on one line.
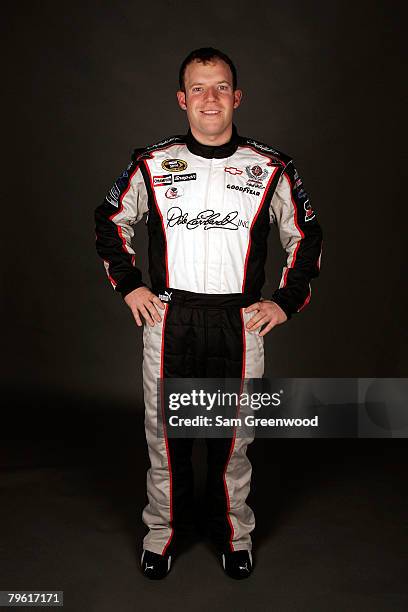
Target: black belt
{"points": [[206, 300]]}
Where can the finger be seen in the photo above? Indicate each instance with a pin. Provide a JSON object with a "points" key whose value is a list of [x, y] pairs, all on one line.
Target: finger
{"points": [[153, 311], [157, 302], [147, 316], [257, 317], [156, 307], [268, 328], [138, 320], [252, 307], [259, 323]]}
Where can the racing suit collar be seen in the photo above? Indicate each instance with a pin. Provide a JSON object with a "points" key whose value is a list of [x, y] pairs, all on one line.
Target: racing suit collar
{"points": [[202, 150]]}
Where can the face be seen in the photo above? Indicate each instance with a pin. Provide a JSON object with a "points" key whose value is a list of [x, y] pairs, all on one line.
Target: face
{"points": [[209, 100]]}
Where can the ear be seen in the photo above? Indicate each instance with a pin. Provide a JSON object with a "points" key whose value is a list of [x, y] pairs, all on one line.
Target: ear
{"points": [[237, 97], [181, 98]]}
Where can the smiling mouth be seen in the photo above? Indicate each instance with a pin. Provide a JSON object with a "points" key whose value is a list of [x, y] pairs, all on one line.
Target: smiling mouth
{"points": [[210, 112]]}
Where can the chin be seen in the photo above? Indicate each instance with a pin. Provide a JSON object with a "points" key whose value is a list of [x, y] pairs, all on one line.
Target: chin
{"points": [[214, 128]]}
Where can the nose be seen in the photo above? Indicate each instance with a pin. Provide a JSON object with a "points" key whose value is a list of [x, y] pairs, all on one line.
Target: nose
{"points": [[211, 93]]}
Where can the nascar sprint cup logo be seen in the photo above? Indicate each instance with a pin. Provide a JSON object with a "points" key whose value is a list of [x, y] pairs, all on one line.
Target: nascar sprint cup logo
{"points": [[174, 165]]}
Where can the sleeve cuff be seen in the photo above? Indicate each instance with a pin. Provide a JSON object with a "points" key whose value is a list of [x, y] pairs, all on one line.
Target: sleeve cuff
{"points": [[129, 284], [282, 304]]}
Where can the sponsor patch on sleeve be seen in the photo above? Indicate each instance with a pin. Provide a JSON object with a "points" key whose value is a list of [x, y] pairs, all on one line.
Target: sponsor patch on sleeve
{"points": [[118, 187]]}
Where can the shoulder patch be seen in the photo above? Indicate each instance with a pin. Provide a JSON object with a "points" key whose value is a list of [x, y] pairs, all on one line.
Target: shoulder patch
{"points": [[144, 152]]}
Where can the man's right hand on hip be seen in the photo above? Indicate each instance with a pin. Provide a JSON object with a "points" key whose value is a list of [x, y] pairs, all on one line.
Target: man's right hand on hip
{"points": [[144, 303]]}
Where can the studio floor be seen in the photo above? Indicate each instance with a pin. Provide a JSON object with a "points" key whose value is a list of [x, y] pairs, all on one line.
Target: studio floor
{"points": [[331, 529]]}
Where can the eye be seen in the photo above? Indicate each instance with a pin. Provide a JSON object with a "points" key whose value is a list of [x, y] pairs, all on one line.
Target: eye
{"points": [[224, 87], [197, 89]]}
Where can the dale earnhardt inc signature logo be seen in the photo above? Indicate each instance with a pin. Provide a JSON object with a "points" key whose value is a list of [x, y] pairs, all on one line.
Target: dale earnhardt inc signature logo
{"points": [[208, 219]]}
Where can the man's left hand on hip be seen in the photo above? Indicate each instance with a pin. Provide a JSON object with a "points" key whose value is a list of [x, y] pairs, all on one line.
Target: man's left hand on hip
{"points": [[268, 314]]}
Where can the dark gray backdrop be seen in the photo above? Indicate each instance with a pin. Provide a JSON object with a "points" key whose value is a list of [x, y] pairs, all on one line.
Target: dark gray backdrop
{"points": [[84, 83], [88, 81]]}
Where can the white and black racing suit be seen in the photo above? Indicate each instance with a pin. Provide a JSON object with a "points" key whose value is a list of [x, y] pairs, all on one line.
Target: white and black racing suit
{"points": [[209, 210]]}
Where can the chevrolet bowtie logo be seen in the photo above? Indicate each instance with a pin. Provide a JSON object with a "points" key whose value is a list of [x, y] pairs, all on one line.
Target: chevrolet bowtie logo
{"points": [[233, 170]]}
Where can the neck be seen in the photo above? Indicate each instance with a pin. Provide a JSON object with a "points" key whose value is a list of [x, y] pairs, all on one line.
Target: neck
{"points": [[221, 146], [214, 140]]}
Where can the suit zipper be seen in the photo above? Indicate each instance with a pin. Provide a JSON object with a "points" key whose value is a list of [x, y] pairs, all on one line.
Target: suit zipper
{"points": [[206, 232]]}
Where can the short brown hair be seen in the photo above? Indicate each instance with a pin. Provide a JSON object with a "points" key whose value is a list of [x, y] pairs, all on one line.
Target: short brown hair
{"points": [[206, 54]]}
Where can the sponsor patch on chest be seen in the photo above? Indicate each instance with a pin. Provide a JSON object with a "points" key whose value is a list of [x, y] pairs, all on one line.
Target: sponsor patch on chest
{"points": [[174, 165], [173, 192], [164, 179], [247, 190], [192, 176]]}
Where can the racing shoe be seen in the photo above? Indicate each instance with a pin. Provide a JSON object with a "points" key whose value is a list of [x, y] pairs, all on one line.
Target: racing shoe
{"points": [[237, 564], [155, 566]]}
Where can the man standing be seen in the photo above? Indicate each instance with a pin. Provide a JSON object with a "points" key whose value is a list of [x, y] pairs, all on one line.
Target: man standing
{"points": [[210, 196]]}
